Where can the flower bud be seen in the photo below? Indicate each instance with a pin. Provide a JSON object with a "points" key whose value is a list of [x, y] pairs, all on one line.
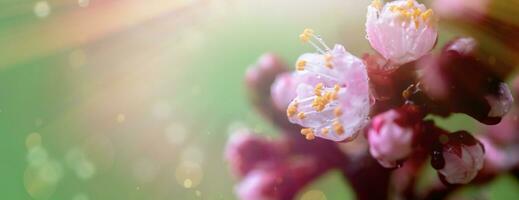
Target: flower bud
{"points": [[278, 183], [459, 158], [244, 152], [392, 134], [261, 75], [402, 31], [457, 81]]}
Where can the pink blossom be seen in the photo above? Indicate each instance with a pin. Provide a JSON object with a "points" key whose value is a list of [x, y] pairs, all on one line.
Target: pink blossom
{"points": [[334, 104], [402, 31], [463, 157], [391, 136]]}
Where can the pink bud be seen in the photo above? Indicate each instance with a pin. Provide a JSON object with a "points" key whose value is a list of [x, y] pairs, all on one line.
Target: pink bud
{"points": [[244, 152], [278, 183], [260, 76], [458, 81], [392, 134], [462, 157]]}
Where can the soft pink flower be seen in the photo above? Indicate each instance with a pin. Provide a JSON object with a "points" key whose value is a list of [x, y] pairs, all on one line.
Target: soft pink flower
{"points": [[402, 31], [334, 102], [463, 157], [391, 136]]}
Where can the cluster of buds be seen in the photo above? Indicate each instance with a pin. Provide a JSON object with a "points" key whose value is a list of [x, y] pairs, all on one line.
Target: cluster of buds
{"points": [[333, 101]]}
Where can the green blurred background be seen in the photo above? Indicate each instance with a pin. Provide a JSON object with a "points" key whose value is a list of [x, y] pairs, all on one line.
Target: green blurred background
{"points": [[134, 99]]}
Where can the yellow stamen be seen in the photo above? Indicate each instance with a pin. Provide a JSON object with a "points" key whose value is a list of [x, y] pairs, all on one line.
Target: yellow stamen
{"points": [[329, 96], [318, 89], [292, 109], [325, 131], [305, 131], [336, 87], [310, 136], [427, 14], [337, 112], [376, 4], [410, 3], [328, 60], [308, 133], [319, 103], [300, 65], [307, 33], [301, 115], [337, 127]]}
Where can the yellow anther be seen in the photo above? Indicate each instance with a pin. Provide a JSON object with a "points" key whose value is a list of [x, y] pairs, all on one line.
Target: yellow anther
{"points": [[410, 3], [292, 109], [300, 65], [329, 96], [304, 38], [427, 14], [308, 133], [325, 131], [393, 8], [376, 4], [319, 103], [328, 60], [307, 33], [318, 89], [337, 112], [336, 87], [310, 136], [337, 127], [301, 115]]}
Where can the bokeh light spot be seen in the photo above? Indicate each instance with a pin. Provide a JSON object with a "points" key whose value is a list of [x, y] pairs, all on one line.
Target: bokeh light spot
{"points": [[42, 9], [188, 183], [83, 3], [175, 133], [161, 110], [120, 118], [189, 174], [79, 163], [37, 156], [33, 140]]}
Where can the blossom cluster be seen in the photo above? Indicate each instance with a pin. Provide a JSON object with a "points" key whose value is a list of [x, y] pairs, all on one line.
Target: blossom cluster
{"points": [[370, 116]]}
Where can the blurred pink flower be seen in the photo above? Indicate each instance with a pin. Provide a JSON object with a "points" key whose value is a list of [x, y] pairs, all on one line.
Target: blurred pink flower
{"points": [[402, 31], [337, 82], [278, 183], [461, 8], [246, 151]]}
